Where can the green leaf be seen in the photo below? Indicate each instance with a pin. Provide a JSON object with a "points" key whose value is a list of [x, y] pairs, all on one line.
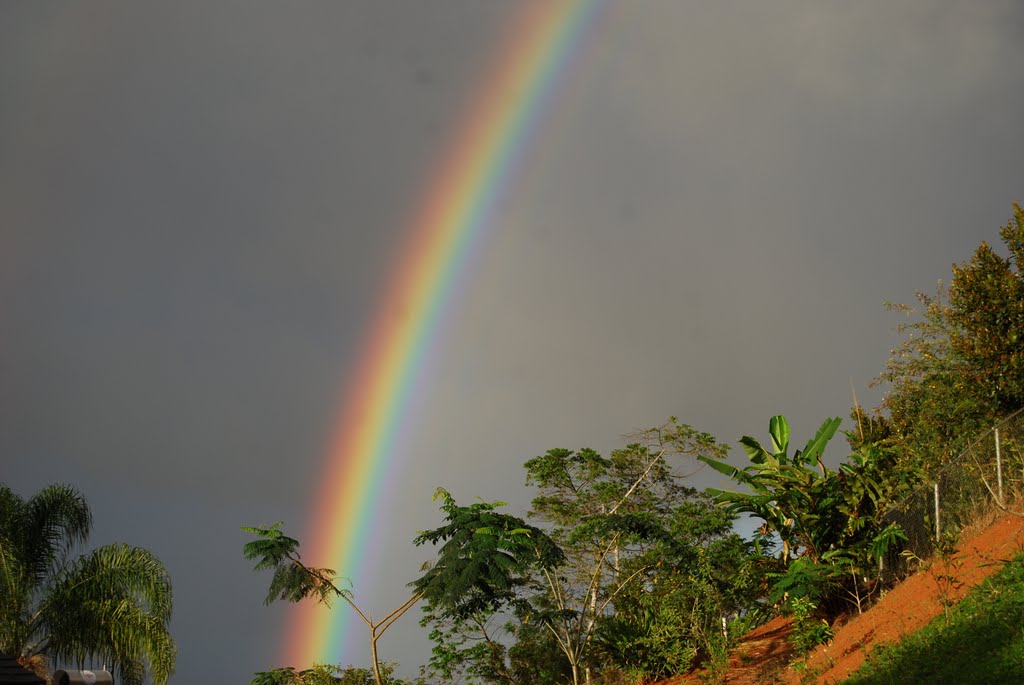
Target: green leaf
{"points": [[720, 466], [778, 427], [816, 445], [757, 454]]}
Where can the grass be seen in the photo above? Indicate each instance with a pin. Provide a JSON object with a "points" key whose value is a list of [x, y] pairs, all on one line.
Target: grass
{"points": [[981, 640]]}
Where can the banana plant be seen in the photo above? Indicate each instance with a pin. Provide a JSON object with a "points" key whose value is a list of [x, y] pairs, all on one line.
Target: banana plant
{"points": [[796, 496]]}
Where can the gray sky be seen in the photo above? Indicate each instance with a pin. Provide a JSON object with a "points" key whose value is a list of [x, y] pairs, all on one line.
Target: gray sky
{"points": [[200, 204]]}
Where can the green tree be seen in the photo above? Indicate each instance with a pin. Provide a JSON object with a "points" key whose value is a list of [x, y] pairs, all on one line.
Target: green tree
{"points": [[483, 564], [483, 559], [482, 555], [672, 619], [607, 513], [112, 604], [962, 363], [601, 512]]}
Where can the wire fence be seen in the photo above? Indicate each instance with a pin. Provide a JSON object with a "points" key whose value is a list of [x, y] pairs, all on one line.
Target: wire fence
{"points": [[985, 480]]}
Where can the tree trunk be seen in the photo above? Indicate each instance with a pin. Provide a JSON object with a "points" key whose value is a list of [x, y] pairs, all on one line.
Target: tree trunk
{"points": [[373, 654], [590, 628]]}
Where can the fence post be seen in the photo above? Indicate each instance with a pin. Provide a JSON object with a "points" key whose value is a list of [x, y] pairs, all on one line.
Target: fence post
{"points": [[938, 526], [999, 470]]}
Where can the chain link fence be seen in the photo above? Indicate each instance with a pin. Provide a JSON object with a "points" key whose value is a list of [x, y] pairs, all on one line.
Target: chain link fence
{"points": [[985, 480]]}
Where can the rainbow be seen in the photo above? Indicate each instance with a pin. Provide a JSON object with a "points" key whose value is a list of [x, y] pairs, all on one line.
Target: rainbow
{"points": [[448, 222]]}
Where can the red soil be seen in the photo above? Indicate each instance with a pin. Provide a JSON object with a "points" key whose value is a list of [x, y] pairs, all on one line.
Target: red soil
{"points": [[763, 654]]}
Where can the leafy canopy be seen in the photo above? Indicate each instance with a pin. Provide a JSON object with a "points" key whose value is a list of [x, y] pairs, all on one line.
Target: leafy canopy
{"points": [[292, 581], [484, 557], [961, 365]]}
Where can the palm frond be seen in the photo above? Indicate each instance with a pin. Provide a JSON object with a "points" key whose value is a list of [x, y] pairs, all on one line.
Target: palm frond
{"points": [[113, 604]]}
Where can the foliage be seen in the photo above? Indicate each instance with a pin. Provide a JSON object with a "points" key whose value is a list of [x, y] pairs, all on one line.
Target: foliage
{"points": [[873, 478], [294, 581], [980, 641], [829, 522], [795, 496], [986, 310], [612, 516], [112, 604], [320, 674], [809, 629], [805, 579], [494, 649], [536, 658], [324, 674], [962, 363], [672, 619], [484, 562], [467, 649], [648, 644], [614, 528], [484, 557]]}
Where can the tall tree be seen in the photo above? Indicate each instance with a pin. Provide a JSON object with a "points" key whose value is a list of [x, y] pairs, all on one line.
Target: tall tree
{"points": [[484, 557], [962, 363], [485, 561], [603, 511], [112, 604]]}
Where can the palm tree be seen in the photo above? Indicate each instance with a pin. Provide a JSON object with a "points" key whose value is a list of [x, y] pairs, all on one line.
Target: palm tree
{"points": [[111, 605]]}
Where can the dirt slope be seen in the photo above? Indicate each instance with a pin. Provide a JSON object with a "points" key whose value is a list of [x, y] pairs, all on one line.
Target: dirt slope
{"points": [[763, 654]]}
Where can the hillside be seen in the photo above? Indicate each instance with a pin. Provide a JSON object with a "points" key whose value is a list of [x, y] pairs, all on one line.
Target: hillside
{"points": [[763, 655]]}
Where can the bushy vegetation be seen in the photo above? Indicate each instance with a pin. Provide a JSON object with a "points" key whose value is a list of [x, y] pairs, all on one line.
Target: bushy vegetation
{"points": [[328, 674], [622, 571]]}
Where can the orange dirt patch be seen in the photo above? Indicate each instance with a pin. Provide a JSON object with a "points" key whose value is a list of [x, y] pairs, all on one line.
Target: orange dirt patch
{"points": [[762, 654]]}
